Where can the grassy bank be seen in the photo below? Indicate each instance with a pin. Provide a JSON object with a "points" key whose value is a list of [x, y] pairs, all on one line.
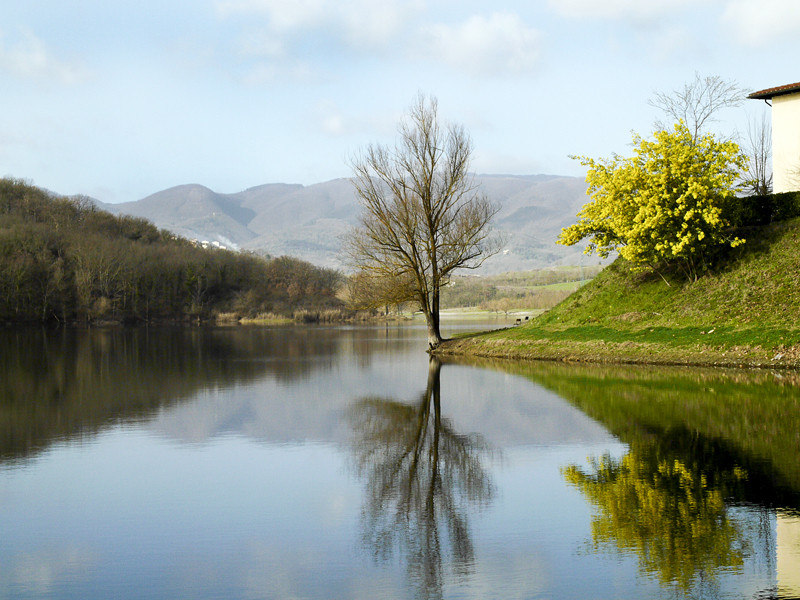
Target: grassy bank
{"points": [[743, 313]]}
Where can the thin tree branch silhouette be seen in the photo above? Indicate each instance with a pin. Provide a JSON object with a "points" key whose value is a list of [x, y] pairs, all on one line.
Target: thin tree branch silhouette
{"points": [[422, 480]]}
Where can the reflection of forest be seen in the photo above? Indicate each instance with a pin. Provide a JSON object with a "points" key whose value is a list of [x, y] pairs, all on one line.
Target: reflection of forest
{"points": [[58, 383], [422, 481], [55, 384]]}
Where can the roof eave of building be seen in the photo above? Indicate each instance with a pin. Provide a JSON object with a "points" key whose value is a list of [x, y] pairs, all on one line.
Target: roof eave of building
{"points": [[792, 88]]}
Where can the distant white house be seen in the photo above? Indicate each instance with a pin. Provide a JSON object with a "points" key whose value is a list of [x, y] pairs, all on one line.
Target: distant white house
{"points": [[785, 135]]}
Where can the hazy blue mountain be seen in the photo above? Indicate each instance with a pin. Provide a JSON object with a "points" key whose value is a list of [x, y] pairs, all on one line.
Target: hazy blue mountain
{"points": [[308, 221]]}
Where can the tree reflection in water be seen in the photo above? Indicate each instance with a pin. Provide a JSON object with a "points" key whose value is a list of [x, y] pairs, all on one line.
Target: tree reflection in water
{"points": [[422, 481], [669, 512]]}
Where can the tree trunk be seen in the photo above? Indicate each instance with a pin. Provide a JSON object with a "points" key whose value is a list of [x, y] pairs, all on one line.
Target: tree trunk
{"points": [[434, 336], [432, 315]]}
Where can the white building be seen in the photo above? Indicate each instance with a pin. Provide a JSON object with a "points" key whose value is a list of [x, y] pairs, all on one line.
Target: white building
{"points": [[788, 553], [785, 135]]}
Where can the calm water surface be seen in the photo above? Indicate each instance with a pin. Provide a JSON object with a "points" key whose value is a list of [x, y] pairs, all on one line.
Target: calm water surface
{"points": [[340, 462]]}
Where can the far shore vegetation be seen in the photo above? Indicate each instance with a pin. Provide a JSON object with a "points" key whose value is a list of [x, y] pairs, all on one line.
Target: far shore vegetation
{"points": [[63, 261]]}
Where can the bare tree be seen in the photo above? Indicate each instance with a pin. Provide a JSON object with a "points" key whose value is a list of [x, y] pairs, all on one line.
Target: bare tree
{"points": [[698, 101], [367, 291], [758, 149], [422, 215]]}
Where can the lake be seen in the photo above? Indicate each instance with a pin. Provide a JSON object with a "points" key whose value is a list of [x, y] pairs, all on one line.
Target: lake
{"points": [[341, 462]]}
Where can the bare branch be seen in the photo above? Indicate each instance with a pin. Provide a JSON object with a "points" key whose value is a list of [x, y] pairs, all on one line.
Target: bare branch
{"points": [[698, 102], [758, 149], [422, 216]]}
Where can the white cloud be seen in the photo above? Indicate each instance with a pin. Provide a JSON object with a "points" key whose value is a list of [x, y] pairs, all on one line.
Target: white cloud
{"points": [[282, 15], [263, 44], [499, 44], [332, 121], [356, 22], [29, 58], [335, 122], [635, 10], [370, 23], [333, 125], [670, 42], [759, 23], [264, 73]]}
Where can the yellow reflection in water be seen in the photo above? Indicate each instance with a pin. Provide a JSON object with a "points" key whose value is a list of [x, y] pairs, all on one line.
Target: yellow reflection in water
{"points": [[666, 512]]}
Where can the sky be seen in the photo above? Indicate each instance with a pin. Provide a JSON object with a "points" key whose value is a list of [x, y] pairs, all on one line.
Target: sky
{"points": [[118, 99]]}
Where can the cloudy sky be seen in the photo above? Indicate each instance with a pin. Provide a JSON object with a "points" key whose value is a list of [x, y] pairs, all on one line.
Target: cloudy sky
{"points": [[119, 99]]}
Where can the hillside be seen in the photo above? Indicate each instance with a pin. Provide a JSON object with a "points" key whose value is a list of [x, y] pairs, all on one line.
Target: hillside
{"points": [[743, 313], [307, 221], [63, 260]]}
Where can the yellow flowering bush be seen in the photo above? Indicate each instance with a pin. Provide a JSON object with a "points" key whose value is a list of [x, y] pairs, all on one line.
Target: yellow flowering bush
{"points": [[668, 203]]}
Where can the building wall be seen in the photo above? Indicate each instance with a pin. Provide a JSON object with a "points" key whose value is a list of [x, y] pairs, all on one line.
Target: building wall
{"points": [[786, 143], [788, 553]]}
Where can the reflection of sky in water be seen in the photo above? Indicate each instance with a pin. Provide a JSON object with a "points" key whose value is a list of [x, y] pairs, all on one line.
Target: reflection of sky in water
{"points": [[243, 519], [507, 410], [249, 492], [141, 517]]}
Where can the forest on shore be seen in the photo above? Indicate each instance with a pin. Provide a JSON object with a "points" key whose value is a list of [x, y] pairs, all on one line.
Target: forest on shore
{"points": [[64, 260]]}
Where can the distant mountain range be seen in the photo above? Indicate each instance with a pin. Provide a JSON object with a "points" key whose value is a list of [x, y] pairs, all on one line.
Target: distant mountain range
{"points": [[307, 221]]}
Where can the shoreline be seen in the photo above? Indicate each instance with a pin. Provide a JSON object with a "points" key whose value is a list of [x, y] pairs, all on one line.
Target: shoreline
{"points": [[608, 352]]}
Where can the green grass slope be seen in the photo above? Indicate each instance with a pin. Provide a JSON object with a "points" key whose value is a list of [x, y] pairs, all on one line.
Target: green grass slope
{"points": [[744, 312]]}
